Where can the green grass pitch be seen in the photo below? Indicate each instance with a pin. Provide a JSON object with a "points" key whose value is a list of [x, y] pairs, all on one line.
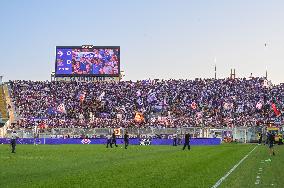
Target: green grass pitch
{"points": [[140, 166]]}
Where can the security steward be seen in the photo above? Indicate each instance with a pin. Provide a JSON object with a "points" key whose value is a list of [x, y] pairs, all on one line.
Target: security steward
{"points": [[259, 138], [14, 138], [271, 140], [126, 140], [175, 140]]}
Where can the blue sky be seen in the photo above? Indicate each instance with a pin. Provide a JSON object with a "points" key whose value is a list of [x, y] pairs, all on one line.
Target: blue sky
{"points": [[158, 38]]}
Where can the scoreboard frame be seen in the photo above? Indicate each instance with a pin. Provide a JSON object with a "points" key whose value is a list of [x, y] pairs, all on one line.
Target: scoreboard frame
{"points": [[87, 47]]}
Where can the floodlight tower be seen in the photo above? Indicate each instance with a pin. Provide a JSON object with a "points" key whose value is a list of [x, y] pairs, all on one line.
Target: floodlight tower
{"points": [[121, 75], [215, 68]]}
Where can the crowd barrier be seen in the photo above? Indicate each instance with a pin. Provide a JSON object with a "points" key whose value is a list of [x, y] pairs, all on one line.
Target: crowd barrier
{"points": [[136, 141], [238, 134]]}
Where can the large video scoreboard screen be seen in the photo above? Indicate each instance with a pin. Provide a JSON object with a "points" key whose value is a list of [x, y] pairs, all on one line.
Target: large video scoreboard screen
{"points": [[90, 61]]}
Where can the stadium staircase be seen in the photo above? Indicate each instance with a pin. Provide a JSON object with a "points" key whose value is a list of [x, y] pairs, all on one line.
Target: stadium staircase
{"points": [[3, 111], [11, 110], [7, 115], [3, 108]]}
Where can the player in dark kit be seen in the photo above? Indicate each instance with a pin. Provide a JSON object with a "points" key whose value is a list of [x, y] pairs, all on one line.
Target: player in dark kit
{"points": [[186, 141], [280, 142], [175, 140], [14, 137], [271, 140], [114, 139], [259, 138], [126, 140]]}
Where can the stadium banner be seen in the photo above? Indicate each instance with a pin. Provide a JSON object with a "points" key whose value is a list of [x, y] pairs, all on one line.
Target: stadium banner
{"points": [[87, 79], [136, 141], [194, 141], [117, 132]]}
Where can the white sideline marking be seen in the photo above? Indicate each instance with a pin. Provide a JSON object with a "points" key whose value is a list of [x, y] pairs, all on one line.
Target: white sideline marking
{"points": [[234, 167]]}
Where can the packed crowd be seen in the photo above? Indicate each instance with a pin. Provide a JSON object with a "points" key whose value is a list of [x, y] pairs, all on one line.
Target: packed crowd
{"points": [[160, 103], [95, 61]]}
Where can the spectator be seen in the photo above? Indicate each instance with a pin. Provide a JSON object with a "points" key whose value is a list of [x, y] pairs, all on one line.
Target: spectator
{"points": [[163, 103]]}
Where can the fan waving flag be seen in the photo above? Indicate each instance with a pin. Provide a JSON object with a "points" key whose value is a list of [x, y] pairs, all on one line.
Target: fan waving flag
{"points": [[82, 96], [228, 105], [139, 118], [259, 105], [151, 97], [138, 93], [193, 105], [100, 98], [51, 111], [139, 102], [61, 108], [275, 109]]}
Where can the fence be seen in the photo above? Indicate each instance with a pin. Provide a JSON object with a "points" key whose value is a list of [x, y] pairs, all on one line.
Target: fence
{"points": [[239, 134]]}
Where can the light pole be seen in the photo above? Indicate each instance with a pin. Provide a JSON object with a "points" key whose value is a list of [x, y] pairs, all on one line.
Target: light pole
{"points": [[215, 68]]}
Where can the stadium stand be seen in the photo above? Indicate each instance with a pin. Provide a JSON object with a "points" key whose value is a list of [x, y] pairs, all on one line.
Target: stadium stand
{"points": [[159, 103]]}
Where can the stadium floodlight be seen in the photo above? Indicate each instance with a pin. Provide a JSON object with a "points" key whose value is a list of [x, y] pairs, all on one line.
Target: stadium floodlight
{"points": [[87, 46]]}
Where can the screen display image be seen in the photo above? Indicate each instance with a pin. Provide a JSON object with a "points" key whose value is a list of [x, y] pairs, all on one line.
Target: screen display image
{"points": [[95, 61]]}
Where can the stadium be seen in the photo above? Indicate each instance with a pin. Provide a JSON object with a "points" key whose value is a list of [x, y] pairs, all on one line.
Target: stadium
{"points": [[90, 126]]}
